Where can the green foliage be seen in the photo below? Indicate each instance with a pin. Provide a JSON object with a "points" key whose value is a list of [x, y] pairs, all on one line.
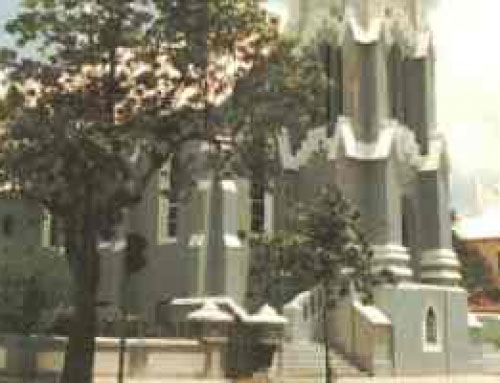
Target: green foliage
{"points": [[120, 86], [474, 270], [32, 286], [332, 248], [64, 128], [270, 280], [288, 90], [275, 85], [491, 332], [135, 259], [323, 246]]}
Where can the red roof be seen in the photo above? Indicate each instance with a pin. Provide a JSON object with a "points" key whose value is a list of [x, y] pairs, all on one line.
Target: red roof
{"points": [[480, 302]]}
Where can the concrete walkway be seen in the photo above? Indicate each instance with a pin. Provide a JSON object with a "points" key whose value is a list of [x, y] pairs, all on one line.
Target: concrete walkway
{"points": [[427, 379]]}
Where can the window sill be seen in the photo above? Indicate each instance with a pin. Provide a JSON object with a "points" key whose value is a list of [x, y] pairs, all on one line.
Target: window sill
{"points": [[432, 348], [167, 241], [58, 249]]}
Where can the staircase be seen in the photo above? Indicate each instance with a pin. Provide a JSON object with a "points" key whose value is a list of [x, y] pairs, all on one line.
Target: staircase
{"points": [[307, 359]]}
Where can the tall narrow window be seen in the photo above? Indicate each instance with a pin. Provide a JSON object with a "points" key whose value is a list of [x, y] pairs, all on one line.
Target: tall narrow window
{"points": [[51, 231], [8, 225], [257, 206], [431, 330], [168, 204], [162, 218], [333, 64], [405, 229], [173, 210], [395, 85]]}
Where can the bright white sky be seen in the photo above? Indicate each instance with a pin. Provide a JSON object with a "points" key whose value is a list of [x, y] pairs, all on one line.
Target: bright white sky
{"points": [[468, 81], [468, 95], [468, 84]]}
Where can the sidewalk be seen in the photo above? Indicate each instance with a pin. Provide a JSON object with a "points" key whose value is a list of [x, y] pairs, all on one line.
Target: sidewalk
{"points": [[426, 379], [414, 379]]}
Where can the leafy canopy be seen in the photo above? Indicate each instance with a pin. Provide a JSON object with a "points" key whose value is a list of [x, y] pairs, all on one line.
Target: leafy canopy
{"points": [[121, 85], [323, 246]]}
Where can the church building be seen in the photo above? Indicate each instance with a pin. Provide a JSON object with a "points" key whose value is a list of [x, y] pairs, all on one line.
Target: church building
{"points": [[385, 153]]}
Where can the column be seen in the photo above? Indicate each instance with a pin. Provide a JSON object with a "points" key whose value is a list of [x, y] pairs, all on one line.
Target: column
{"points": [[439, 263]]}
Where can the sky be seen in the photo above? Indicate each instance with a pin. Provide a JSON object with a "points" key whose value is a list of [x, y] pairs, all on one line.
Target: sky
{"points": [[468, 92], [468, 88], [8, 8]]}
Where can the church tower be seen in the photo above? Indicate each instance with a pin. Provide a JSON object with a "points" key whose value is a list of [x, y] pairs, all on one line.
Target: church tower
{"points": [[386, 155]]}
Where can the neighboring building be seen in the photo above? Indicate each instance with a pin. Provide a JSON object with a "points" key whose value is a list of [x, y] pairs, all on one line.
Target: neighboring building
{"points": [[29, 254], [480, 236]]}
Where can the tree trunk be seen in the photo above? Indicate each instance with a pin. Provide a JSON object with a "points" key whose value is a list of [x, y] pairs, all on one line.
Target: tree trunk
{"points": [[79, 358], [329, 377], [83, 257]]}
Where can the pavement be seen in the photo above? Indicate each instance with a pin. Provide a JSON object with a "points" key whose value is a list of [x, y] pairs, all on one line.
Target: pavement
{"points": [[414, 379]]}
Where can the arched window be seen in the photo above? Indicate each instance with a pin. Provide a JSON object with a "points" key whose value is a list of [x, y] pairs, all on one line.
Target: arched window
{"points": [[431, 328]]}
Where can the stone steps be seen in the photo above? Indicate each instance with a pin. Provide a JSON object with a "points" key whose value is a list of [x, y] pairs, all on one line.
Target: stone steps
{"points": [[307, 360]]}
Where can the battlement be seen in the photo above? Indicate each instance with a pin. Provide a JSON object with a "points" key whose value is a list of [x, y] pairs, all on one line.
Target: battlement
{"points": [[304, 15], [412, 11]]}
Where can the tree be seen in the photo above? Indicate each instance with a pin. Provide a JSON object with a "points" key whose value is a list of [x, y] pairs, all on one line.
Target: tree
{"points": [[332, 248], [325, 247], [33, 283], [120, 85], [289, 90], [477, 275]]}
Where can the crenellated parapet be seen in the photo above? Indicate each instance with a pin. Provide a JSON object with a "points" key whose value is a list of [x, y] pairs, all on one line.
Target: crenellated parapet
{"points": [[401, 193], [391, 21], [343, 143], [381, 62]]}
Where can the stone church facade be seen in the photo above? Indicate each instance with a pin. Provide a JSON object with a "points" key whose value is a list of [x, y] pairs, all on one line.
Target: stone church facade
{"points": [[384, 152], [387, 156]]}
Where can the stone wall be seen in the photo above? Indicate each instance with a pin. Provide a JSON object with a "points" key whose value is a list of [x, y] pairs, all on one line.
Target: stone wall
{"points": [[407, 305], [43, 357], [364, 334]]}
